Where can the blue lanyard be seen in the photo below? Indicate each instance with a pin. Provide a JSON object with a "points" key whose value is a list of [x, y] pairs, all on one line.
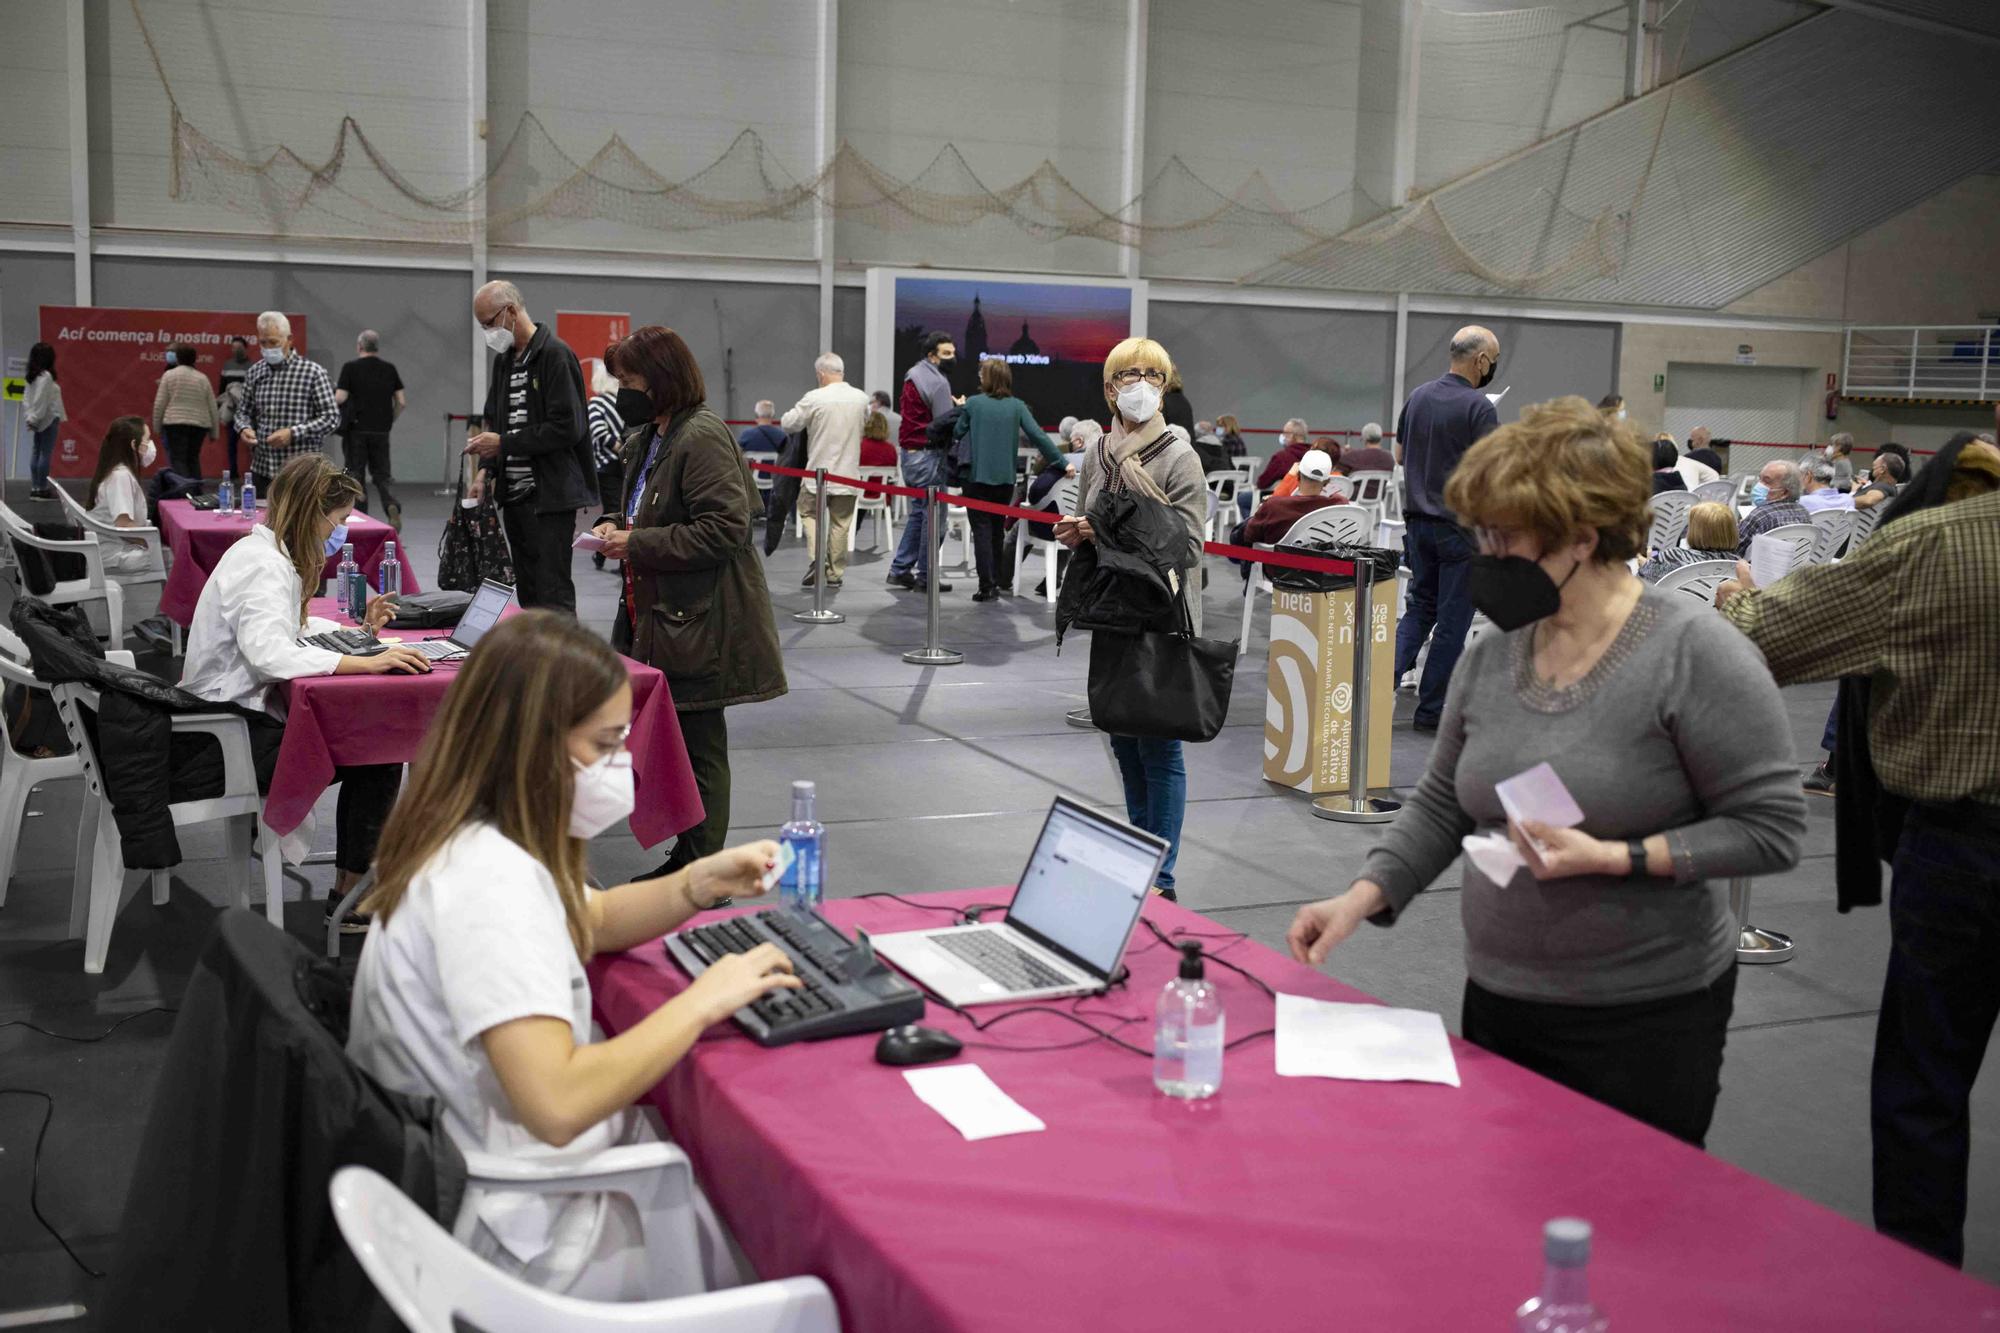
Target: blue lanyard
{"points": [[646, 472]]}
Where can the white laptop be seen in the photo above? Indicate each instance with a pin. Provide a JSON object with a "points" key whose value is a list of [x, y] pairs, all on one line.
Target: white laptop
{"points": [[481, 615], [1066, 931]]}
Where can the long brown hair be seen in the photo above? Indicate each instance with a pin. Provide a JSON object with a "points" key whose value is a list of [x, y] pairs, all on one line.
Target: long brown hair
{"points": [[307, 489], [120, 449], [662, 358], [995, 379], [499, 753]]}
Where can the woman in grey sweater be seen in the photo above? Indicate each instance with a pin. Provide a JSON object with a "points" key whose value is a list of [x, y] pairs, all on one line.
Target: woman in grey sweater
{"points": [[1608, 961], [1145, 455]]}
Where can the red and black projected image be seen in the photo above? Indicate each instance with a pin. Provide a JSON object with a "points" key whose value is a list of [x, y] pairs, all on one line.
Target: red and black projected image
{"points": [[1052, 335]]}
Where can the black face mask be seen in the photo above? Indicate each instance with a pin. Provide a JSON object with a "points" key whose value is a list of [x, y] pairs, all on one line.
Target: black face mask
{"points": [[1512, 591], [634, 406], [1487, 378]]}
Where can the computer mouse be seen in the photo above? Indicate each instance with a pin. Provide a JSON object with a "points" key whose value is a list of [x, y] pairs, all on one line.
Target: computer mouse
{"points": [[913, 1045]]}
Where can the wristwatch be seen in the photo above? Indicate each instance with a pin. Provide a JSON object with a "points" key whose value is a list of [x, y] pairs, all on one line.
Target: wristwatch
{"points": [[1636, 849]]}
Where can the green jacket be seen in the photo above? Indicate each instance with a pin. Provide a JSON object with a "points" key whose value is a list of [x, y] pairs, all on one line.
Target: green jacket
{"points": [[994, 424]]}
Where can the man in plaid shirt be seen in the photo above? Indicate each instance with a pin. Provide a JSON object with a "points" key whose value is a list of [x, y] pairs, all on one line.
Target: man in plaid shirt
{"points": [[287, 406]]}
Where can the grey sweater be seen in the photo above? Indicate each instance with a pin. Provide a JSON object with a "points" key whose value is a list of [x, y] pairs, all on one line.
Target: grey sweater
{"points": [[1677, 729]]}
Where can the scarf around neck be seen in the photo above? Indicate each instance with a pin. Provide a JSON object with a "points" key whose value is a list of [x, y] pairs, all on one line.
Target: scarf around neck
{"points": [[1124, 452]]}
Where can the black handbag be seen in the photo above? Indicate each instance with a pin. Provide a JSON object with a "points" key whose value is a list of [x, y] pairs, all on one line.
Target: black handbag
{"points": [[429, 610], [473, 547], [1167, 686]]}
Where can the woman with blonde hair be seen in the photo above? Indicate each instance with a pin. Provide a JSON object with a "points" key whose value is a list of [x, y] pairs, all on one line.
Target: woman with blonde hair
{"points": [[244, 643], [1711, 535], [1603, 955], [472, 987], [1141, 454]]}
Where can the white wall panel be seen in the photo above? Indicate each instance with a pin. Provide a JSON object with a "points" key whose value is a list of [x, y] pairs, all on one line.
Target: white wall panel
{"points": [[678, 84], [1010, 86], [258, 78], [34, 113]]}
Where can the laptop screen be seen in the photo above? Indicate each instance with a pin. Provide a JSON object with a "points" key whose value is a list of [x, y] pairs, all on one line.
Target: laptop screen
{"points": [[1085, 883], [483, 614]]}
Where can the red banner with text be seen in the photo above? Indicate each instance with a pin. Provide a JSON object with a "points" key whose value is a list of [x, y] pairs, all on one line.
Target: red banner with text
{"points": [[588, 333], [109, 360]]}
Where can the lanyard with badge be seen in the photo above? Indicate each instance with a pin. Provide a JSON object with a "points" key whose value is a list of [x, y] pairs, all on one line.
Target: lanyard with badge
{"points": [[632, 516]]}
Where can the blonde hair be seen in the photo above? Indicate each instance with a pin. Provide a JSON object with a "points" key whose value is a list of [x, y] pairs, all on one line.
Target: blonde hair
{"points": [[1562, 468], [499, 753], [876, 427], [1712, 527], [1976, 473], [306, 490], [1141, 352]]}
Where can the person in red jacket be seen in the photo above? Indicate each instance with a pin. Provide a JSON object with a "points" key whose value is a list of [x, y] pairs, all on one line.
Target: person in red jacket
{"points": [[927, 396], [1274, 518], [1293, 441]]}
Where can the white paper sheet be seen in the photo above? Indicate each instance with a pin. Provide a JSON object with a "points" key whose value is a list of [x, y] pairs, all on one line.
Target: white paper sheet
{"points": [[1538, 795], [971, 1101], [1367, 1042], [587, 541], [1770, 559], [1495, 855]]}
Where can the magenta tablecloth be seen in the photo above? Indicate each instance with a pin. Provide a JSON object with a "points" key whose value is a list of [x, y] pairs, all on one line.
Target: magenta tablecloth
{"points": [[198, 537], [336, 720], [1284, 1203]]}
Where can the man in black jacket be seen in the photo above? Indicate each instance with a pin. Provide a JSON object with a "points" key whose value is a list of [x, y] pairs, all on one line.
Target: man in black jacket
{"points": [[539, 456]]}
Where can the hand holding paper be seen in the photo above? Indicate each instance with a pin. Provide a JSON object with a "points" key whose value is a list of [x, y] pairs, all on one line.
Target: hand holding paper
{"points": [[587, 541], [1770, 559]]}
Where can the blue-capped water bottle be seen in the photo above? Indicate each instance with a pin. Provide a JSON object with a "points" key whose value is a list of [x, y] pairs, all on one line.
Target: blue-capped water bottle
{"points": [[225, 494], [389, 574], [249, 497], [345, 576], [804, 882]]}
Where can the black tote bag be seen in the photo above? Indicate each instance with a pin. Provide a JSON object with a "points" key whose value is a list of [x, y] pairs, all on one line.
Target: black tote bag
{"points": [[1166, 686]]}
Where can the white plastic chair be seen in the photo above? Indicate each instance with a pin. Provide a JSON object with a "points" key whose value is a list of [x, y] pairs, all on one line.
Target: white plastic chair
{"points": [[1804, 538], [874, 506], [1040, 536], [1341, 486], [1335, 523], [1864, 523], [1745, 482], [435, 1285], [95, 902], [1836, 529], [92, 587], [1698, 579], [1722, 491], [1670, 519], [20, 774], [957, 527], [1371, 488], [154, 571]]}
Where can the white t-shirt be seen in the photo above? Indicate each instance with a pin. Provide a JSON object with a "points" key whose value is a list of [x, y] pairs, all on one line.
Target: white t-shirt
{"points": [[479, 940], [121, 494]]}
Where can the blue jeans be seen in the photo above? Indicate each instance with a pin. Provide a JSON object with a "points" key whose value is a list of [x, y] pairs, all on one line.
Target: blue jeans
{"points": [[44, 452], [1440, 607], [921, 467], [1939, 1003], [1155, 791]]}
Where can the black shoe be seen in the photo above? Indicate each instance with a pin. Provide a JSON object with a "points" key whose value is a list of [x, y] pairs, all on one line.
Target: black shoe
{"points": [[354, 923], [1162, 891], [812, 576], [1417, 724], [1819, 782], [943, 586], [986, 595], [907, 582], [155, 633], [835, 583], [598, 559], [393, 515]]}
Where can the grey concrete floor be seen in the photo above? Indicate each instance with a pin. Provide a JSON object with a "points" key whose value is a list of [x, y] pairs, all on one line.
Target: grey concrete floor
{"points": [[937, 778]]}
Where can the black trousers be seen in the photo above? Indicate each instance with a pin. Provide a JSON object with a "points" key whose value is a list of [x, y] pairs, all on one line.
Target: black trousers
{"points": [[184, 449], [542, 554], [707, 737], [367, 794], [611, 486], [1939, 1003], [989, 533], [365, 453], [1659, 1061], [229, 447]]}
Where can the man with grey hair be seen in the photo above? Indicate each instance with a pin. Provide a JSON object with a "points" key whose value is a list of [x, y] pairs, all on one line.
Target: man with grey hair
{"points": [[533, 444], [287, 406], [370, 394], [1779, 486], [1369, 455], [1442, 420], [831, 416], [767, 436], [1821, 493], [1293, 441]]}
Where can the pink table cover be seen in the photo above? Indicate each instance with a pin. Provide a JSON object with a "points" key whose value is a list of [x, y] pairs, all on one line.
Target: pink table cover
{"points": [[337, 720], [198, 538], [1282, 1204]]}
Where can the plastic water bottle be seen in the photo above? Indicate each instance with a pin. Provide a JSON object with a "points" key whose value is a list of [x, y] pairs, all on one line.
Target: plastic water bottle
{"points": [[390, 572], [346, 575], [1187, 1043], [803, 885], [225, 495], [1564, 1303], [249, 498]]}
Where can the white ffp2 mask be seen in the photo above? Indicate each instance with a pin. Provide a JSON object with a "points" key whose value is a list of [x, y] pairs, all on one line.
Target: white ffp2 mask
{"points": [[1138, 402], [603, 795], [498, 340]]}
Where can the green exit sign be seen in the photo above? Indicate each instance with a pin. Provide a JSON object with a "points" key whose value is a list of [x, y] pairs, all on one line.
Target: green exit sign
{"points": [[1659, 383]]}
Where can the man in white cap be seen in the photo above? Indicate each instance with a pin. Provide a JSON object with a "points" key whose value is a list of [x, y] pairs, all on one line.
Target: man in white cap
{"points": [[1274, 518]]}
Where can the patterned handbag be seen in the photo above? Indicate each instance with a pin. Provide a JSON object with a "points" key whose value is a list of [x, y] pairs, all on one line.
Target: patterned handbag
{"points": [[474, 547]]}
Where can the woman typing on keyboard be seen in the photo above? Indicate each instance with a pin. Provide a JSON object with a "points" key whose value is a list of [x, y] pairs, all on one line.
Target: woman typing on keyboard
{"points": [[244, 641], [472, 987]]}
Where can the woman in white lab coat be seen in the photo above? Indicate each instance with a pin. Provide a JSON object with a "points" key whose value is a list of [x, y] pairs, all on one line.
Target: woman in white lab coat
{"points": [[244, 643]]}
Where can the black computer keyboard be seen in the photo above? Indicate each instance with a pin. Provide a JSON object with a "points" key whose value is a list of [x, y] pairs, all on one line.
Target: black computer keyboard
{"points": [[1013, 967], [846, 989], [352, 642]]}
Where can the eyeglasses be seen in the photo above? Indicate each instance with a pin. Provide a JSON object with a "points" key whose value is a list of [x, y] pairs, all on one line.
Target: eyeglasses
{"points": [[494, 322], [1132, 375]]}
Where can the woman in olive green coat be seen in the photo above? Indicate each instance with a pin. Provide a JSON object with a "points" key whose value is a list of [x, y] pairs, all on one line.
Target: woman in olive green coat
{"points": [[695, 603]]}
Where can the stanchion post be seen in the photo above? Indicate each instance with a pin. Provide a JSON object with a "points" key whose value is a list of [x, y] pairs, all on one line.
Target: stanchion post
{"points": [[447, 482], [1356, 807], [932, 654], [819, 615], [1754, 945]]}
